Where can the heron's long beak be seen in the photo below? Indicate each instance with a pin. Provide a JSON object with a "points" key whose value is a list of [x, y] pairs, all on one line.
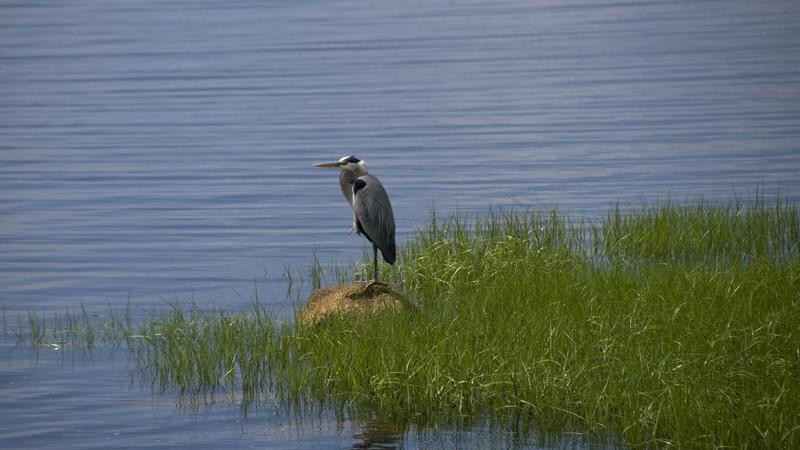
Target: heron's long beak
{"points": [[333, 165]]}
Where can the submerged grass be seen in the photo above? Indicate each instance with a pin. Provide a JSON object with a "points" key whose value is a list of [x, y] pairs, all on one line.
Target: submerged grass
{"points": [[664, 326]]}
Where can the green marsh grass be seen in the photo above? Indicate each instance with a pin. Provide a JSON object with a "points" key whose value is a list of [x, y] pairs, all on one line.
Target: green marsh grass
{"points": [[673, 232], [673, 325]]}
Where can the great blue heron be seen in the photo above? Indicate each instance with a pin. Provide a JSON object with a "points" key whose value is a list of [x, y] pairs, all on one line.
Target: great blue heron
{"points": [[372, 211]]}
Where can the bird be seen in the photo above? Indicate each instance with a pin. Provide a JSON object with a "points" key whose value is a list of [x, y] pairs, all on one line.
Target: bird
{"points": [[372, 211]]}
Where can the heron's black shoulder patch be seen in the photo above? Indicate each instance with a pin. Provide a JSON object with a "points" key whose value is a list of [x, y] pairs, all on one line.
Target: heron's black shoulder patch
{"points": [[352, 159], [358, 185]]}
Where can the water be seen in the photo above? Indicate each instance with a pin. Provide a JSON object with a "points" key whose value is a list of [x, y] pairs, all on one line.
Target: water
{"points": [[46, 404], [162, 150]]}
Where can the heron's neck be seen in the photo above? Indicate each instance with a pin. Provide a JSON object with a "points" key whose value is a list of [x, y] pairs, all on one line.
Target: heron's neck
{"points": [[346, 178]]}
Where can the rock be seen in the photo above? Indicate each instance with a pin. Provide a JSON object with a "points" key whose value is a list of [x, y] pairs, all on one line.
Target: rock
{"points": [[355, 300]]}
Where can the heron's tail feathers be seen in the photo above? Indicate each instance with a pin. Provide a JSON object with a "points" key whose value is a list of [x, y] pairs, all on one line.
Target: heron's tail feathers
{"points": [[389, 254]]}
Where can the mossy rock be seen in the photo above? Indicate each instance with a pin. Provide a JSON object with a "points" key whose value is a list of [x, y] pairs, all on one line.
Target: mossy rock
{"points": [[353, 300]]}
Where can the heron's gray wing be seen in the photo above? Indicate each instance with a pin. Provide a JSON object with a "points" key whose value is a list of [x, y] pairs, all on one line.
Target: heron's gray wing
{"points": [[374, 214]]}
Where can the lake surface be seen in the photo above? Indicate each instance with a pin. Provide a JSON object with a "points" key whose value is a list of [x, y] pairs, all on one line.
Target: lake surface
{"points": [[162, 150]]}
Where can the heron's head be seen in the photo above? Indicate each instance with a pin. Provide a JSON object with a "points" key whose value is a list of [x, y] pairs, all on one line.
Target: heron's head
{"points": [[350, 163]]}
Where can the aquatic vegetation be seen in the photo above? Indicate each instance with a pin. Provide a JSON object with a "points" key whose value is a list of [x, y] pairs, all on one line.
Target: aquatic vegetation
{"points": [[701, 231], [673, 325], [666, 325]]}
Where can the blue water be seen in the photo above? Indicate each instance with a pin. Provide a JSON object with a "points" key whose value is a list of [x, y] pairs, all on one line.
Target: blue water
{"points": [[162, 150]]}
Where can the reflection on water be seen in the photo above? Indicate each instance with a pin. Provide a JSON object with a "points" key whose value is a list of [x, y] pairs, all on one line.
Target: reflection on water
{"points": [[92, 400], [378, 435]]}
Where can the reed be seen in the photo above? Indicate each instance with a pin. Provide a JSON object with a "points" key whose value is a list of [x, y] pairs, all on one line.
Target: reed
{"points": [[673, 325]]}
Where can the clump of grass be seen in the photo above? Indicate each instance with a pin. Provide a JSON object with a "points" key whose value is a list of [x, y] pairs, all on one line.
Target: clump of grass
{"points": [[79, 330], [198, 350], [665, 326], [669, 346], [736, 232]]}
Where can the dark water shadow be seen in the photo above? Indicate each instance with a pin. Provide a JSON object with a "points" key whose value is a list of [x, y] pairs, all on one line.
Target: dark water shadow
{"points": [[383, 435]]}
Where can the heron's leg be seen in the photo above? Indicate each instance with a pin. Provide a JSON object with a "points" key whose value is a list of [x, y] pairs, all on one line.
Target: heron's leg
{"points": [[354, 228], [375, 261]]}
